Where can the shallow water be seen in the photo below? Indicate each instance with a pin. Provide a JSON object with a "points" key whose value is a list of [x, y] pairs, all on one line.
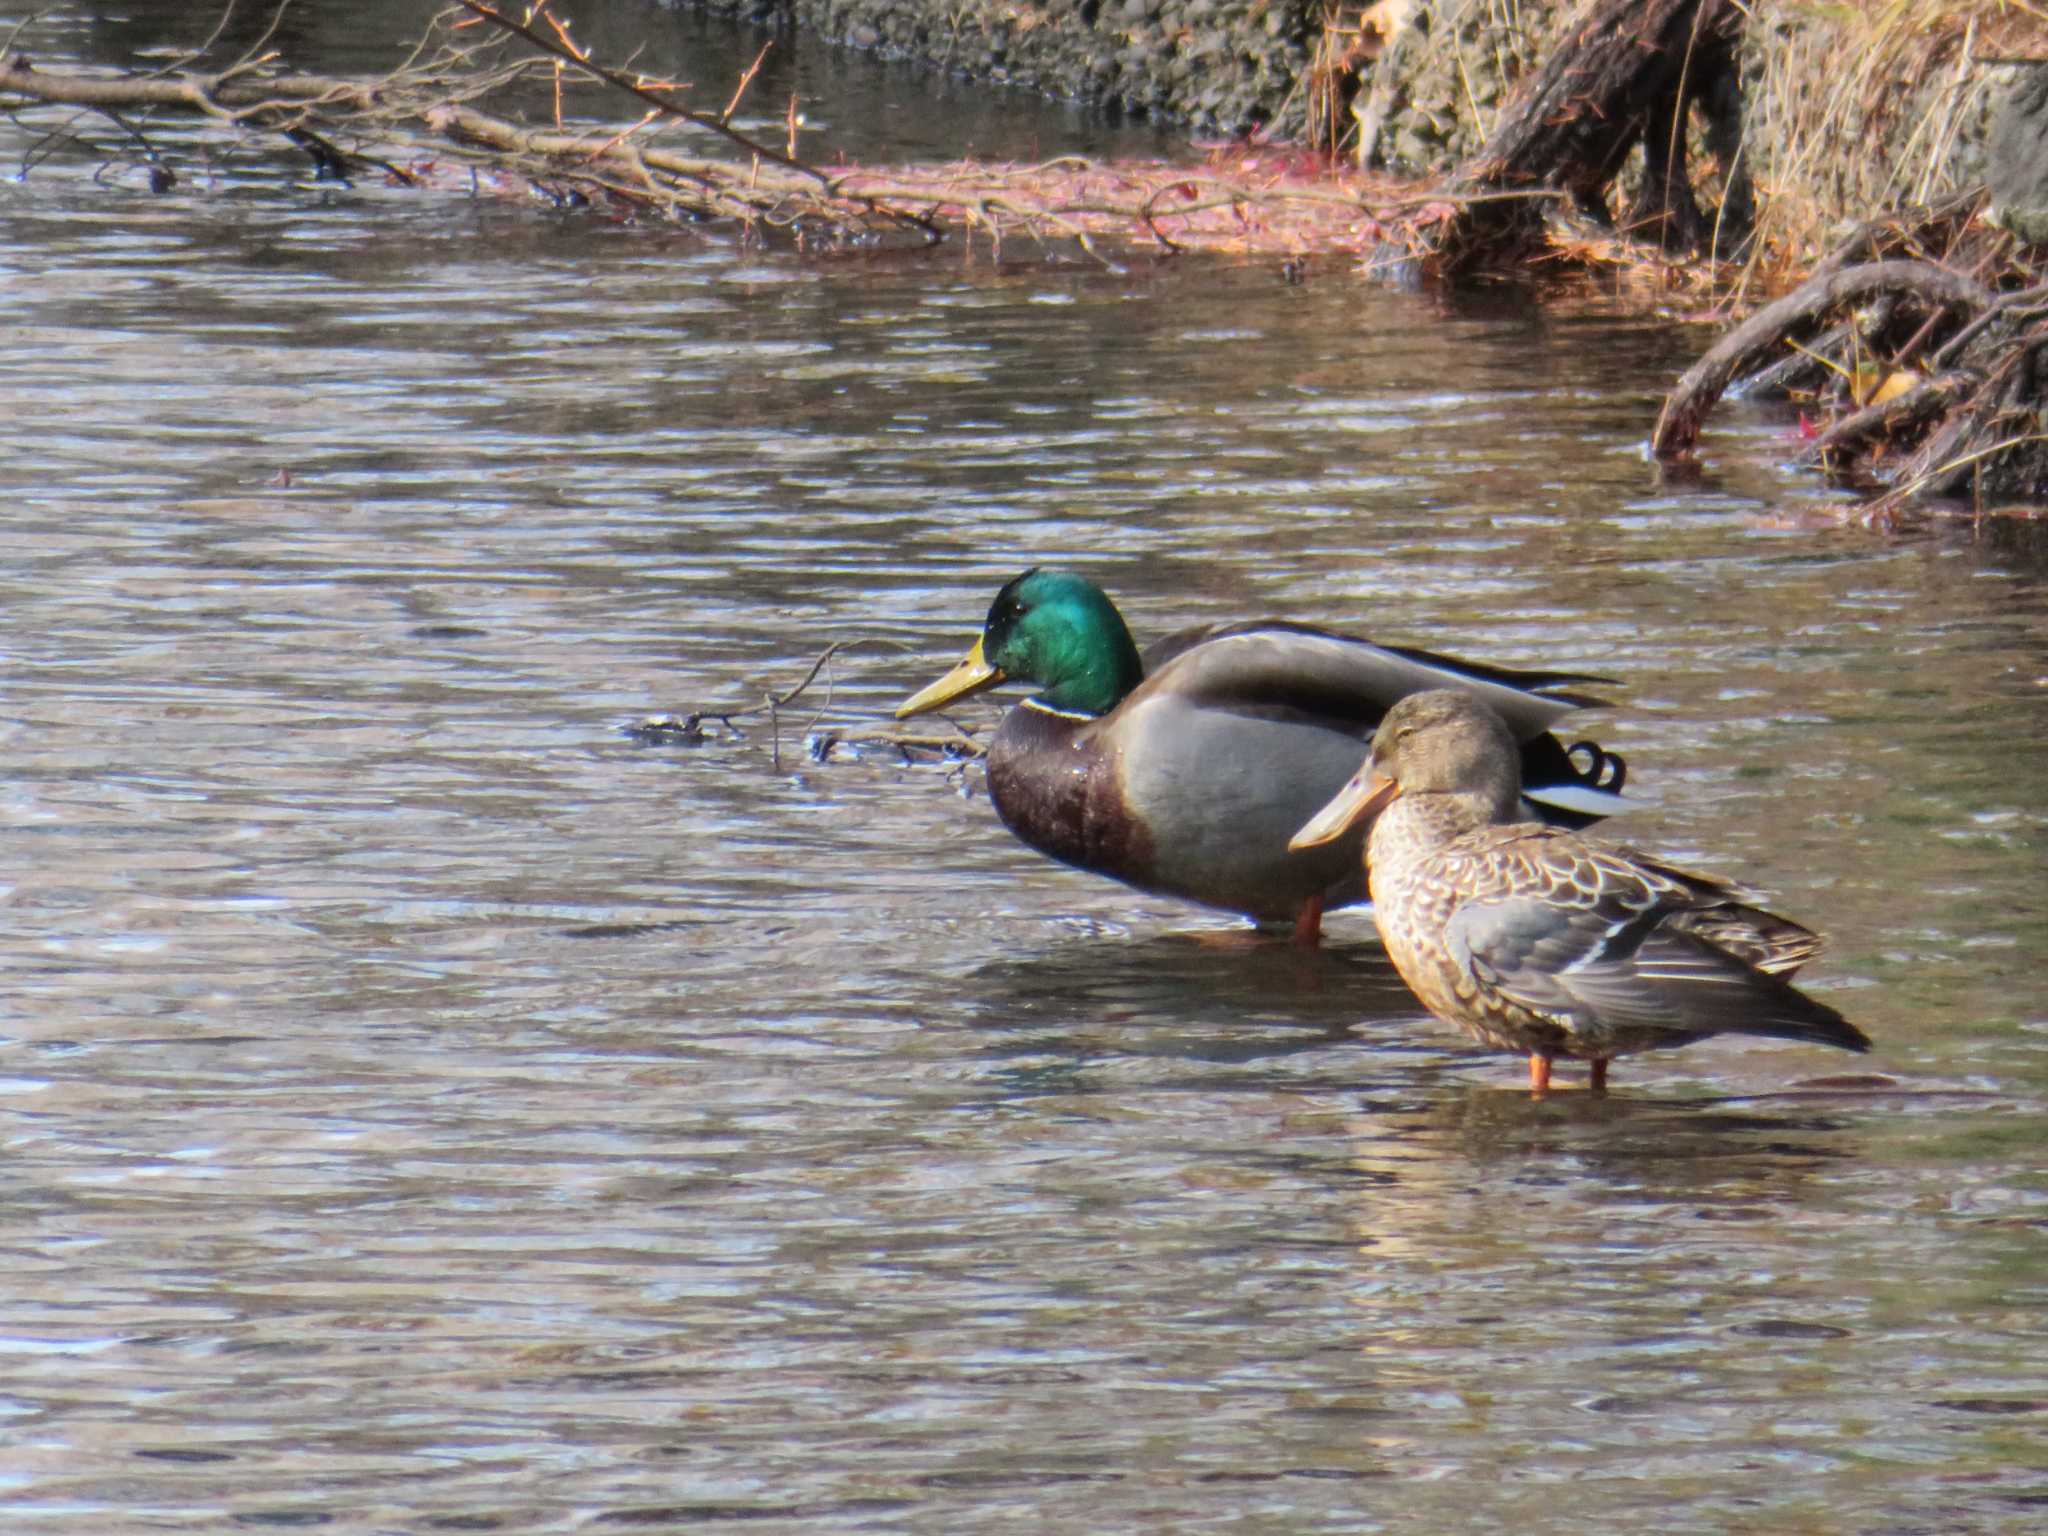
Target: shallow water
{"points": [[428, 1110]]}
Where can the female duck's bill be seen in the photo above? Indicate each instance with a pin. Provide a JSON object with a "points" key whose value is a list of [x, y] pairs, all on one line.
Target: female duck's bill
{"points": [[1364, 795]]}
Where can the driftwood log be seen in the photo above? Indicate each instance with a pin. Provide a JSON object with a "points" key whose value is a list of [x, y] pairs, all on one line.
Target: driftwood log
{"points": [[350, 127], [1629, 74]]}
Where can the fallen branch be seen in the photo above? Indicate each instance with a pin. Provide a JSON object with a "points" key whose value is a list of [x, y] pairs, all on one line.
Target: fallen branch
{"points": [[435, 124], [431, 111]]}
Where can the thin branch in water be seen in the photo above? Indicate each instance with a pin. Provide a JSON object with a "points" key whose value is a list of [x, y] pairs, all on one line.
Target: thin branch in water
{"points": [[811, 676], [776, 701], [746, 79], [688, 730], [1942, 471], [620, 82]]}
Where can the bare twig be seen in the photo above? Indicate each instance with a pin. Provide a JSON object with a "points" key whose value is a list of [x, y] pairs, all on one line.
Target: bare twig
{"points": [[746, 79], [709, 121], [776, 701]]}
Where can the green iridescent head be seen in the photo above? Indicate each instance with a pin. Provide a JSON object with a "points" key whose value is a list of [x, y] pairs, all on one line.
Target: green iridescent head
{"points": [[1051, 628], [1058, 630]]}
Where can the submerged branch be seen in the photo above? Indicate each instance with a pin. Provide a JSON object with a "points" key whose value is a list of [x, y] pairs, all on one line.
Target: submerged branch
{"points": [[911, 746]]}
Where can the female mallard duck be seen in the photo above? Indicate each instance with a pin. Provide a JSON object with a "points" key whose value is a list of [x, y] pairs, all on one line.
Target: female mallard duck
{"points": [[1184, 773], [1534, 939]]}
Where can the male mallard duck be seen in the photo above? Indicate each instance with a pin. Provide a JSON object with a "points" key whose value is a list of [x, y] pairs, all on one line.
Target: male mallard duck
{"points": [[1184, 773], [1535, 939]]}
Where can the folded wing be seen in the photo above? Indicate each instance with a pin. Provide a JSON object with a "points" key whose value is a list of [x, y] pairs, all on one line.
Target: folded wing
{"points": [[1595, 944]]}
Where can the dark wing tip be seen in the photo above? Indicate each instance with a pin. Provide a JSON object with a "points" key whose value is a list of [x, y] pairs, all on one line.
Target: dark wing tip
{"points": [[1846, 1035], [1528, 679]]}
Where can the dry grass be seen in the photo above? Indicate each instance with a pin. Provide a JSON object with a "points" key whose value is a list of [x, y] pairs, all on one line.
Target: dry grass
{"points": [[1455, 62], [1861, 108], [1353, 36]]}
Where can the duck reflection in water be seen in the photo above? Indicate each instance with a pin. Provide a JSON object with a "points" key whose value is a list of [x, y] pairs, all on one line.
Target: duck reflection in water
{"points": [[1094, 995]]}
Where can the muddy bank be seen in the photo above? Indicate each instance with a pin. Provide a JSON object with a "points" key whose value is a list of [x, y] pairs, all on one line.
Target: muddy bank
{"points": [[1288, 67], [1665, 130], [1223, 66], [1419, 88]]}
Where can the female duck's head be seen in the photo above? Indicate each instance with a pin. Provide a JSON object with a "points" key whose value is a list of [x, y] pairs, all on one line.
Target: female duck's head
{"points": [[1442, 742]]}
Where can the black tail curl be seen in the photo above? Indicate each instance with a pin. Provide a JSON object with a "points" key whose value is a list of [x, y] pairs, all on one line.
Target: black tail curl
{"points": [[1603, 770], [1548, 763]]}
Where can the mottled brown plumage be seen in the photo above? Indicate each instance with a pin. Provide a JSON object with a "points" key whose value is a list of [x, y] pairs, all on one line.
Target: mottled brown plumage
{"points": [[1539, 940]]}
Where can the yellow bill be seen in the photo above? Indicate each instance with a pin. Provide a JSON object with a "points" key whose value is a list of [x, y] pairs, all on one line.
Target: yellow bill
{"points": [[1363, 797], [972, 675]]}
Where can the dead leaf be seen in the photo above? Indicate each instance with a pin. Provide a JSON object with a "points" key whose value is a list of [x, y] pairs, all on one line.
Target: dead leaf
{"points": [[1899, 381]]}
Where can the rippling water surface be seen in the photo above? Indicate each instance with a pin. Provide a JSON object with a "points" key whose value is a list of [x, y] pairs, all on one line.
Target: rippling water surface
{"points": [[426, 1109]]}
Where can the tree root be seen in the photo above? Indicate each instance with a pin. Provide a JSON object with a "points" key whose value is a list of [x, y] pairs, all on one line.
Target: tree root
{"points": [[1765, 332], [1628, 74], [1923, 348]]}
